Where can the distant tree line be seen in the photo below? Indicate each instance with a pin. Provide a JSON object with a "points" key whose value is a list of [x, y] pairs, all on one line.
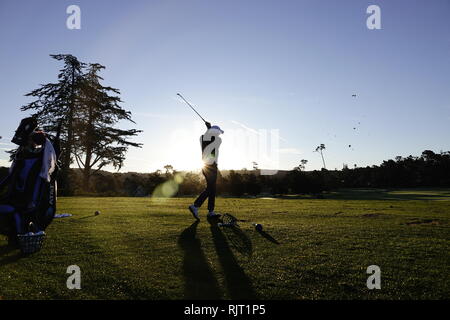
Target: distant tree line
{"points": [[428, 170]]}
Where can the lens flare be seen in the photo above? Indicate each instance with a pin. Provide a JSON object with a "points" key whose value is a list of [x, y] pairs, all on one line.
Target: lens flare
{"points": [[168, 189]]}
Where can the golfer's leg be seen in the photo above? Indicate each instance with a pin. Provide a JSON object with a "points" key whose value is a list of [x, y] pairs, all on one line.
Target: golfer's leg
{"points": [[212, 189], [212, 199], [202, 197]]}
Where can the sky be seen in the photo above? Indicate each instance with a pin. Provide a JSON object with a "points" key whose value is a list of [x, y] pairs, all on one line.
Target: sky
{"points": [[277, 76]]}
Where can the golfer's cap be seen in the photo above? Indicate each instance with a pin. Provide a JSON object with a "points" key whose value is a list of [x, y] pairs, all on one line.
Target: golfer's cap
{"points": [[218, 128]]}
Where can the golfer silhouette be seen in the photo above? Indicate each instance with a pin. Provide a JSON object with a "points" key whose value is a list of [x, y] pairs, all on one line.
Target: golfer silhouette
{"points": [[210, 143]]}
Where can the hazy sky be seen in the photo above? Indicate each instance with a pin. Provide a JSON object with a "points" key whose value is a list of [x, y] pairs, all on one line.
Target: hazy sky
{"points": [[249, 66]]}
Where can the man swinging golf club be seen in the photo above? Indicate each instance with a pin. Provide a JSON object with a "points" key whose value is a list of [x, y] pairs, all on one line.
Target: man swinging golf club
{"points": [[210, 143]]}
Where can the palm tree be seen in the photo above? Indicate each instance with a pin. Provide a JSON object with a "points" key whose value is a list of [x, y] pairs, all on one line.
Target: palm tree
{"points": [[302, 165], [320, 149], [169, 169]]}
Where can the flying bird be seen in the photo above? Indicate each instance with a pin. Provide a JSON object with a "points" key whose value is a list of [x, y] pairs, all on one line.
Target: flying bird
{"points": [[354, 95]]}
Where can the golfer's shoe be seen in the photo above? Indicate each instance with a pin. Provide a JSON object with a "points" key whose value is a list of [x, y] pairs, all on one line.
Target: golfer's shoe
{"points": [[213, 214], [194, 210]]}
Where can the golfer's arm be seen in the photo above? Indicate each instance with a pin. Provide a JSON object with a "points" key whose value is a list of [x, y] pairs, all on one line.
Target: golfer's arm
{"points": [[208, 125]]}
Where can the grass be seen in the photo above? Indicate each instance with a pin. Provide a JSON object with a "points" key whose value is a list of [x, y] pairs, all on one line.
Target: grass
{"points": [[139, 248]]}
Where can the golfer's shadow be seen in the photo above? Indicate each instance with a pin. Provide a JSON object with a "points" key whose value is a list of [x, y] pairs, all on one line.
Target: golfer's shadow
{"points": [[239, 285], [200, 282], [238, 240]]}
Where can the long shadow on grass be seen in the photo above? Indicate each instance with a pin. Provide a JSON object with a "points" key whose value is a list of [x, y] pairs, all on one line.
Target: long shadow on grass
{"points": [[200, 282], [268, 237], [238, 240], [238, 284]]}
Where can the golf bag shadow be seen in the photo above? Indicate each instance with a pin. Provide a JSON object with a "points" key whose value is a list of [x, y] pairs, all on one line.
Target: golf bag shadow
{"points": [[30, 198]]}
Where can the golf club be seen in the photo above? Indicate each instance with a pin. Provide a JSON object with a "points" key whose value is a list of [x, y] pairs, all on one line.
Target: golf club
{"points": [[191, 106]]}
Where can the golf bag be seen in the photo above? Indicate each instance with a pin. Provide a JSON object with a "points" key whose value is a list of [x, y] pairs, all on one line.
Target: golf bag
{"points": [[31, 188]]}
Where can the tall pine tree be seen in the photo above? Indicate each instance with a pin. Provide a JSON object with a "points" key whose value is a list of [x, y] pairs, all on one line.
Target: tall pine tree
{"points": [[89, 113], [57, 102], [98, 142]]}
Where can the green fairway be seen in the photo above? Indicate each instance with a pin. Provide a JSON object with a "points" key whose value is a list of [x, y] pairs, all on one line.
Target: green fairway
{"points": [[141, 248]]}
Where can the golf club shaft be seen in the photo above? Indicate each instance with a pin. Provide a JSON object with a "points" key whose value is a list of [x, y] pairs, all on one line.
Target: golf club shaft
{"points": [[191, 106]]}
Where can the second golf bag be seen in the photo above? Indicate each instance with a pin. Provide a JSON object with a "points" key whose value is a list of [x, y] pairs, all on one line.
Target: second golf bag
{"points": [[30, 200]]}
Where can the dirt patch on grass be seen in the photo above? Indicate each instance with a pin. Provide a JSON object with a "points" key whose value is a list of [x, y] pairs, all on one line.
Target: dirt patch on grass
{"points": [[424, 221]]}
